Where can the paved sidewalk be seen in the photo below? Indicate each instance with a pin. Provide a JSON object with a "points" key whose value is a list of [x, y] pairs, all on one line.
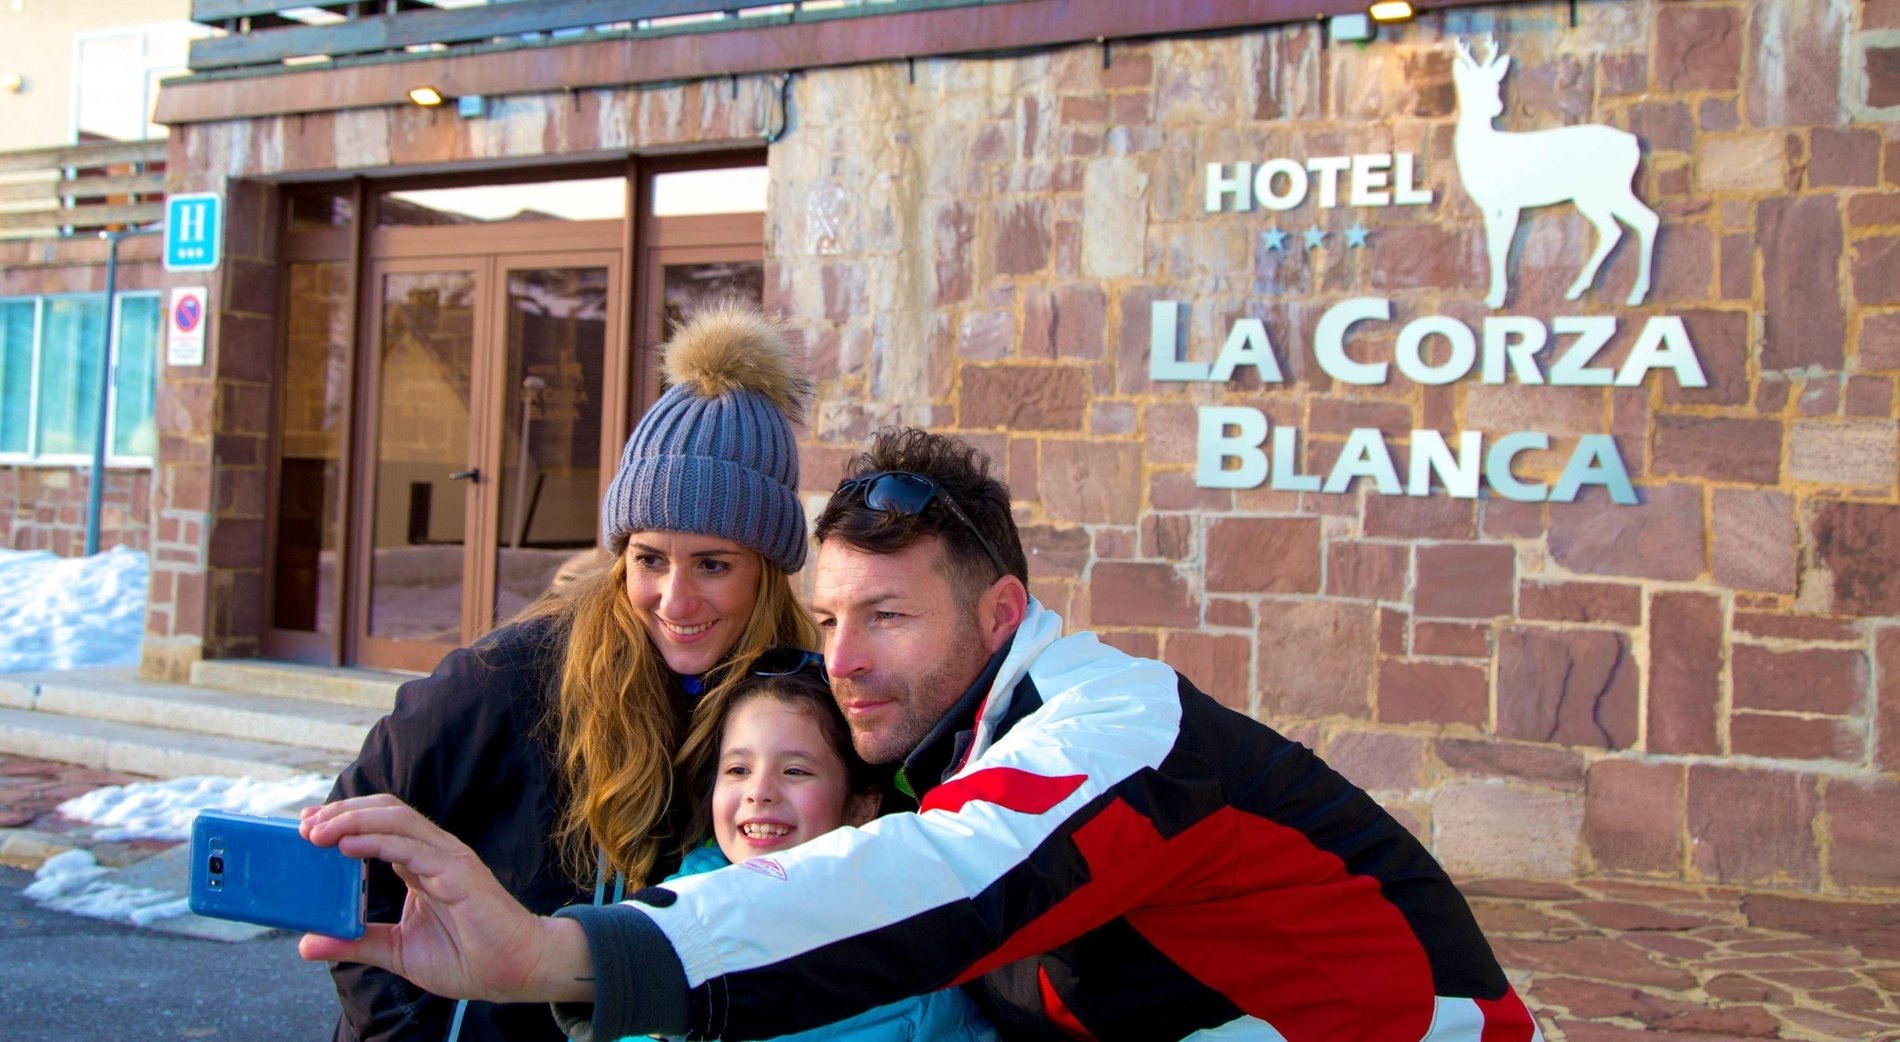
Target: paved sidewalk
{"points": [[1598, 960]]}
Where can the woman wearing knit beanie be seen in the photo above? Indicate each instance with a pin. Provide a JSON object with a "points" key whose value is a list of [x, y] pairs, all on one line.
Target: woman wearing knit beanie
{"points": [[551, 746]]}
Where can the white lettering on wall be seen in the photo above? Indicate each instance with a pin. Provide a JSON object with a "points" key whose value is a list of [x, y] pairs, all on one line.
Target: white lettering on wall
{"points": [[1372, 179]]}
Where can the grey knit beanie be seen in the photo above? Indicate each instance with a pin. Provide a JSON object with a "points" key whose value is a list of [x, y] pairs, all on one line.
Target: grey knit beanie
{"points": [[716, 454]]}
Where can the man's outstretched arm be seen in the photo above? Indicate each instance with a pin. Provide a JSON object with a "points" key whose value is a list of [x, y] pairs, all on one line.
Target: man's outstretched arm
{"points": [[461, 934]]}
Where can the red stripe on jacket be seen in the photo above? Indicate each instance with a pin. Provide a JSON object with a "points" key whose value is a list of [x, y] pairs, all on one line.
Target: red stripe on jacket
{"points": [[1007, 787]]}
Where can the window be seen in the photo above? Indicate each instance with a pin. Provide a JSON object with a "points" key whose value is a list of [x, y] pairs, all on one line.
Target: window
{"points": [[49, 377], [116, 74]]}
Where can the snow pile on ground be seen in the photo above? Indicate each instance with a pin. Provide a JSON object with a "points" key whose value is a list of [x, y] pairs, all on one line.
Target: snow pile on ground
{"points": [[164, 809], [64, 612], [74, 882]]}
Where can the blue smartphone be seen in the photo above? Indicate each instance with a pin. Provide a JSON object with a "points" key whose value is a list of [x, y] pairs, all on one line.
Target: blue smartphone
{"points": [[261, 870]]}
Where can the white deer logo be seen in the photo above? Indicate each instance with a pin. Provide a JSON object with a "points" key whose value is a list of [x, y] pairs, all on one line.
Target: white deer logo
{"points": [[1505, 173]]}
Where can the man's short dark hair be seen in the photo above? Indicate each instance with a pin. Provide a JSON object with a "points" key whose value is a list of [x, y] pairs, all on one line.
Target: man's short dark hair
{"points": [[962, 472]]}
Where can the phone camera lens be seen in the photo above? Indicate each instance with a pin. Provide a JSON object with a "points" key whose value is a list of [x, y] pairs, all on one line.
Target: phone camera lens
{"points": [[217, 865]]}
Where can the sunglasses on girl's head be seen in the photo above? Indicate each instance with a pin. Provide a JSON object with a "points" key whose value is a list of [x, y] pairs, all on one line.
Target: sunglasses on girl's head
{"points": [[783, 662], [909, 493]]}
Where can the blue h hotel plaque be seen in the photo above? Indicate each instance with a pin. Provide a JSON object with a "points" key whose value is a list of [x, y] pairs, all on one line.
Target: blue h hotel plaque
{"points": [[193, 231]]}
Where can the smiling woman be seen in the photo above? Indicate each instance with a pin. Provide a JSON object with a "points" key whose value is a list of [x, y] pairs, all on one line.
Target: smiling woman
{"points": [[550, 746]]}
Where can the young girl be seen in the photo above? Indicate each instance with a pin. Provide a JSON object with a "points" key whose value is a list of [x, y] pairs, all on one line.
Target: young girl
{"points": [[777, 770]]}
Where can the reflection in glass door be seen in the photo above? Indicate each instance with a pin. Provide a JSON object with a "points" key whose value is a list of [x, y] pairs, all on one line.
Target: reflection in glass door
{"points": [[556, 321], [421, 478]]}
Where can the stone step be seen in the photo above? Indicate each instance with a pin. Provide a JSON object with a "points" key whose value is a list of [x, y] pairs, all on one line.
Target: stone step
{"points": [[117, 694], [370, 688], [138, 749]]}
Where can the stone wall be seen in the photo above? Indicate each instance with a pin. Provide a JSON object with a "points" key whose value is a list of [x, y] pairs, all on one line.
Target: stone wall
{"points": [[44, 507], [1705, 685]]}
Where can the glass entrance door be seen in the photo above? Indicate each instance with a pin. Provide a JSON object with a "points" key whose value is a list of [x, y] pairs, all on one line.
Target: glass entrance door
{"points": [[422, 484], [554, 460], [483, 447]]}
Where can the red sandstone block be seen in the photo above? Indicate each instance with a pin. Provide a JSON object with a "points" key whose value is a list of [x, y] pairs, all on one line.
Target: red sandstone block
{"points": [[1546, 765], [1685, 663], [1862, 816], [1376, 760], [1504, 519], [1138, 643], [1229, 612], [1859, 546], [1719, 448], [1114, 543], [1887, 699], [1751, 826], [1129, 594], [1316, 658], [1573, 687], [1451, 640], [1659, 538], [1263, 555], [1175, 490], [1809, 680], [1799, 627], [1023, 397], [1091, 482], [1883, 76], [1805, 324], [1698, 49], [1755, 539], [1167, 536], [1843, 157], [1465, 581], [1870, 209], [1868, 395], [1367, 571], [1876, 270], [1219, 664], [1780, 737], [1618, 603], [1055, 552], [1433, 692]]}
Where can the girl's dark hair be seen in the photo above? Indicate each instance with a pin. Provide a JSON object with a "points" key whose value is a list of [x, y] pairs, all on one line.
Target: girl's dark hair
{"points": [[806, 690]]}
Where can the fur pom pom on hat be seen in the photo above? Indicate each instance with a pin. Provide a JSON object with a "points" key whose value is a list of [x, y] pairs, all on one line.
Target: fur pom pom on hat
{"points": [[716, 454]]}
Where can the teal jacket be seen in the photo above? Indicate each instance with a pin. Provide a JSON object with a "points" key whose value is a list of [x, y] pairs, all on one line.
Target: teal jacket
{"points": [[940, 1016]]}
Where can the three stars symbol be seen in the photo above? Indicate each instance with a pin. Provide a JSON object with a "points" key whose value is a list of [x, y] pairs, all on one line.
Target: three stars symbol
{"points": [[1356, 237]]}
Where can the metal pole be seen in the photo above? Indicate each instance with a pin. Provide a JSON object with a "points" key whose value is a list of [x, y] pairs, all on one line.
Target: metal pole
{"points": [[95, 494]]}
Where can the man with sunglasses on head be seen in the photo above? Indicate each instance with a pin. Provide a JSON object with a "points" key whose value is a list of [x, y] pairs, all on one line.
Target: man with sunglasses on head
{"points": [[1099, 850]]}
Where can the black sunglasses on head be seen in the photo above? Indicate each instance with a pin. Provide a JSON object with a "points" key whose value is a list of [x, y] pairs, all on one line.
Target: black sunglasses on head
{"points": [[909, 493], [783, 662]]}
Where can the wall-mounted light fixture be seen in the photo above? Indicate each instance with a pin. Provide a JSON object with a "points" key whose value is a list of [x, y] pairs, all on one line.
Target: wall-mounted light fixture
{"points": [[426, 96], [1392, 11]]}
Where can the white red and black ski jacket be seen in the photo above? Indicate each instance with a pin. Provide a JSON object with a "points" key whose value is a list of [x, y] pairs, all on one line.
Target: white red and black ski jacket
{"points": [[1114, 855]]}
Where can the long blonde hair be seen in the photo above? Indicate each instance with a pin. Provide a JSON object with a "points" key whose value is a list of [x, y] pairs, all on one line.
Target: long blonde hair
{"points": [[619, 713]]}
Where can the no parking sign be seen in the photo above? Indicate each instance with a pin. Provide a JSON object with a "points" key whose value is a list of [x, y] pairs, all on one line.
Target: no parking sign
{"points": [[185, 327]]}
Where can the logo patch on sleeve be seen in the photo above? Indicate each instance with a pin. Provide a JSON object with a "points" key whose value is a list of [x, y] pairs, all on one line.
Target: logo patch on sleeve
{"points": [[765, 866]]}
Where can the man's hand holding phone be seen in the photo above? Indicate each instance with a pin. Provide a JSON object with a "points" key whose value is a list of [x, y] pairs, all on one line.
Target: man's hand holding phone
{"points": [[461, 935]]}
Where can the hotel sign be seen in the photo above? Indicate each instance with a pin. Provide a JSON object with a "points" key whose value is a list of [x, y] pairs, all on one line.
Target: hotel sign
{"points": [[1589, 167]]}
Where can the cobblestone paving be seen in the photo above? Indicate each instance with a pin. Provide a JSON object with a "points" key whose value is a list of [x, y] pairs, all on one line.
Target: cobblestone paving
{"points": [[1598, 960], [1604, 960]]}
